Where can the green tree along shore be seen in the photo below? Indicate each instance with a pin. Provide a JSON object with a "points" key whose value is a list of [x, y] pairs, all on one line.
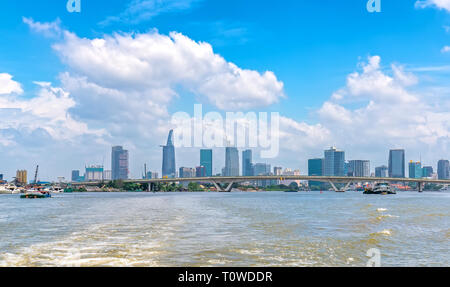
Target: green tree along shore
{"points": [[120, 186]]}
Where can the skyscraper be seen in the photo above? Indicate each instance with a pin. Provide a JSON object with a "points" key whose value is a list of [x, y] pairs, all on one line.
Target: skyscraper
{"points": [[427, 171], [415, 170], [206, 160], [315, 168], [247, 164], [168, 164], [397, 163], [187, 172], [382, 171], [75, 175], [334, 163], [443, 169], [359, 168], [231, 162], [119, 163], [262, 169], [200, 171]]}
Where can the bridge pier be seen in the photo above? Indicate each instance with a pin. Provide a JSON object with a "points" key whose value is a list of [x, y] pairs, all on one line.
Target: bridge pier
{"points": [[420, 186], [338, 190], [220, 189]]}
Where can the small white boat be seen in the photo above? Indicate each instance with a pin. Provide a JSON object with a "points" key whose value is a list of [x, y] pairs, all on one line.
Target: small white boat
{"points": [[10, 189]]}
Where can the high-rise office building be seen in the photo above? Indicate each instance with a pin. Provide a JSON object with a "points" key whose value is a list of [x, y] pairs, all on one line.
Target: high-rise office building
{"points": [[168, 165], [231, 161], [262, 169], [415, 170], [75, 175], [397, 163], [427, 171], [119, 163], [200, 171], [443, 169], [359, 168], [382, 171], [206, 160], [334, 163], [187, 172], [315, 168], [247, 164]]}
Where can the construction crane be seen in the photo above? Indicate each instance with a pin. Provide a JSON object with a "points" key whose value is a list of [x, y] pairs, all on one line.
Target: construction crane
{"points": [[36, 174]]}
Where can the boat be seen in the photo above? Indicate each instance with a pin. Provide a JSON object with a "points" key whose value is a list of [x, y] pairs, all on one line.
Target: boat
{"points": [[10, 189], [36, 193], [380, 188]]}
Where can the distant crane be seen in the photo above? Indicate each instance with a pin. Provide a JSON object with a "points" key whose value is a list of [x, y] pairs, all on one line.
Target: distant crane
{"points": [[36, 174]]}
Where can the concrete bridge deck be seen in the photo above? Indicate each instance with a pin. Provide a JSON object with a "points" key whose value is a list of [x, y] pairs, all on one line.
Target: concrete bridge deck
{"points": [[231, 180]]}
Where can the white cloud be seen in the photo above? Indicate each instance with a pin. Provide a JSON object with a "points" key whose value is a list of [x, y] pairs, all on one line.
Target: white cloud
{"points": [[8, 85], [446, 49], [48, 29], [156, 65], [47, 111], [440, 4], [143, 10]]}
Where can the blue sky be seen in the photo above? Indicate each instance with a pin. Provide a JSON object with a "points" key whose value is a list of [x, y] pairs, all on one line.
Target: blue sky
{"points": [[312, 47]]}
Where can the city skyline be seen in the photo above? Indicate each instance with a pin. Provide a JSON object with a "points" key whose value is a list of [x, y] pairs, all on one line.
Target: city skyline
{"points": [[66, 98]]}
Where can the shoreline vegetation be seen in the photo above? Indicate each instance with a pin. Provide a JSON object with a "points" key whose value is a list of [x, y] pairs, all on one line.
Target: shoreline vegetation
{"points": [[120, 186]]}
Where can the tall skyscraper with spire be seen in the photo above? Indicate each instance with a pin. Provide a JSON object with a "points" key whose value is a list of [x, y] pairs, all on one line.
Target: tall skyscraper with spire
{"points": [[168, 164]]}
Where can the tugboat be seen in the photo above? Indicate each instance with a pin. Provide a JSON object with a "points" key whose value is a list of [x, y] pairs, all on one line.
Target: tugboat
{"points": [[380, 188]]}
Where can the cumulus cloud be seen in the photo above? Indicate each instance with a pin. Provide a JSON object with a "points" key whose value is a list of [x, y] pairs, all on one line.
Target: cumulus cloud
{"points": [[8, 85], [157, 64], [48, 112], [393, 115], [440, 4]]}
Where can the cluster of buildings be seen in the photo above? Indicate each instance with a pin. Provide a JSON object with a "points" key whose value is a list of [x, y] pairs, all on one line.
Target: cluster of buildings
{"points": [[119, 168], [333, 163]]}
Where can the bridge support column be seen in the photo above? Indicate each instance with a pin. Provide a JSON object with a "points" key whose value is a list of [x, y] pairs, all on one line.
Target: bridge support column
{"points": [[420, 186], [348, 185], [333, 186], [220, 189]]}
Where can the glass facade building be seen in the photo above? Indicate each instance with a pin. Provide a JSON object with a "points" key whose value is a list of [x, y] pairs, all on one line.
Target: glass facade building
{"points": [[443, 169], [415, 170], [231, 162], [315, 168], [334, 162], [206, 160], [247, 164], [119, 163], [168, 164], [397, 163], [382, 171], [359, 168]]}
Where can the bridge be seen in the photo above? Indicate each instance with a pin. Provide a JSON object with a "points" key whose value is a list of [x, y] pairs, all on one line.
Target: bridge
{"points": [[332, 180]]}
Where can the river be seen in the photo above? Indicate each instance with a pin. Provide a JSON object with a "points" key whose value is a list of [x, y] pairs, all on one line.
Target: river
{"points": [[225, 229]]}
